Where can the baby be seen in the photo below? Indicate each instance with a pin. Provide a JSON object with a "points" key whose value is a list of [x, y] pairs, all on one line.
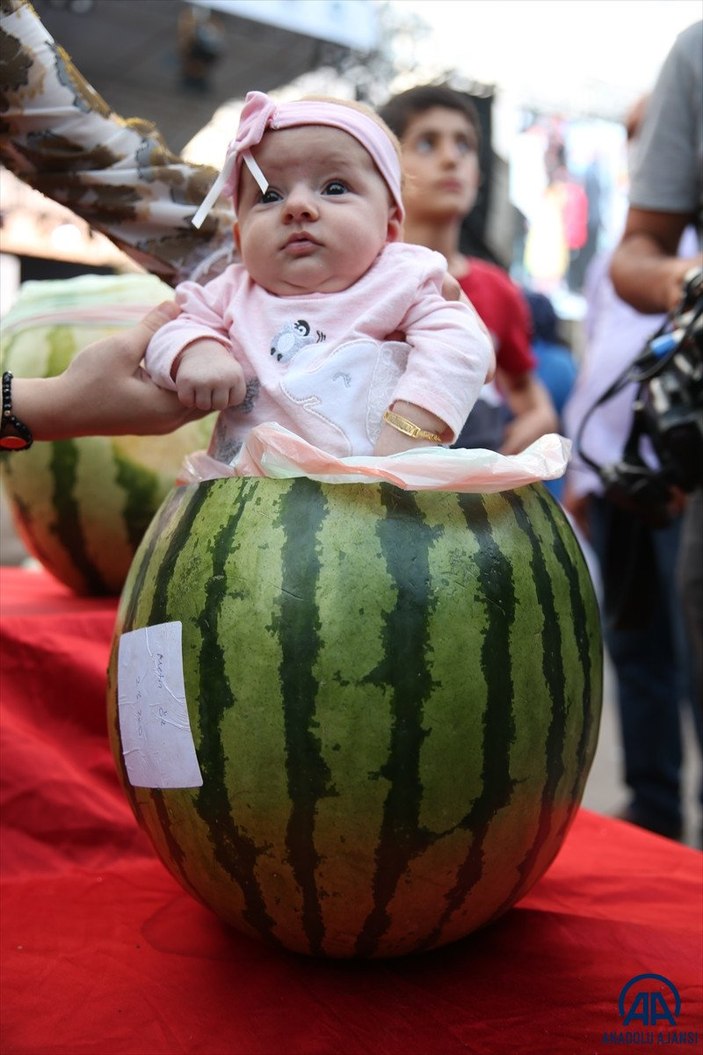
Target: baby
{"points": [[300, 332]]}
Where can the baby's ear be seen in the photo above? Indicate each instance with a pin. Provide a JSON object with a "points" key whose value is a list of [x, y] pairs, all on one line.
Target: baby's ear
{"points": [[237, 239], [395, 225]]}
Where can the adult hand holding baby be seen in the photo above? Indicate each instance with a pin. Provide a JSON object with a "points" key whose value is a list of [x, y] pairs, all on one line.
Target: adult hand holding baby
{"points": [[104, 391]]}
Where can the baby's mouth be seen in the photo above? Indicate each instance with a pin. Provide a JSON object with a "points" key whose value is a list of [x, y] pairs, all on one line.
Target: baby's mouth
{"points": [[300, 243]]}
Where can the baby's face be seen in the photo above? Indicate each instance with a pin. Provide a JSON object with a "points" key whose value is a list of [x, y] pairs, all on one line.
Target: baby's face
{"points": [[325, 217]]}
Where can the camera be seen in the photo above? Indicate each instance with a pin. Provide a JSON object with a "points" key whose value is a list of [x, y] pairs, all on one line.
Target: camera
{"points": [[664, 449]]}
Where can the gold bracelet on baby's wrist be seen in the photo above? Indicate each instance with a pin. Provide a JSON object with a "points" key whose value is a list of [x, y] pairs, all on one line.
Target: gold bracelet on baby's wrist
{"points": [[409, 428]]}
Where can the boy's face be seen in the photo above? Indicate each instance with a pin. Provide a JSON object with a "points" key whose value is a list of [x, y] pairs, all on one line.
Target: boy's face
{"points": [[325, 217], [440, 165]]}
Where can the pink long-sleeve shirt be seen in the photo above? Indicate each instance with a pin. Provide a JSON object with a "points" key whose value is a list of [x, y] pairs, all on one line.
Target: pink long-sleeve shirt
{"points": [[319, 364]]}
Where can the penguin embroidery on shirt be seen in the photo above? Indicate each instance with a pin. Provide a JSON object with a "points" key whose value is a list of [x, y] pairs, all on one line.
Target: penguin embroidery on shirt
{"points": [[292, 337]]}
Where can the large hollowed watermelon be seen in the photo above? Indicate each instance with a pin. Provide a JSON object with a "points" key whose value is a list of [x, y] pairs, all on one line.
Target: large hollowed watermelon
{"points": [[82, 506], [394, 701]]}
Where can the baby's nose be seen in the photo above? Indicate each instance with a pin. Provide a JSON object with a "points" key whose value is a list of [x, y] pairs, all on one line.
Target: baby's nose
{"points": [[301, 202]]}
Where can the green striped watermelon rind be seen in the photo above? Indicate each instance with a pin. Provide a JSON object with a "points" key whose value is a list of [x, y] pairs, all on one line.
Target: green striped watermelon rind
{"points": [[81, 506], [386, 768]]}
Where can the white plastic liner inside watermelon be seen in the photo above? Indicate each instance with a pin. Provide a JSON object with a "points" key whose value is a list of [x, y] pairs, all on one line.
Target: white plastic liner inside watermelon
{"points": [[271, 450]]}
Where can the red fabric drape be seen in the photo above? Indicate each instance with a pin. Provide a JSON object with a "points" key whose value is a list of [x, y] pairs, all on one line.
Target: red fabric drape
{"points": [[102, 952]]}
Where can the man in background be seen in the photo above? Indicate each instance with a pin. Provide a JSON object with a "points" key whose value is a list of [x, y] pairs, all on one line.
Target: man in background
{"points": [[666, 196]]}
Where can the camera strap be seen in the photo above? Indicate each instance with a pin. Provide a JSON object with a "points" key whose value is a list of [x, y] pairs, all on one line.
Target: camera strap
{"points": [[672, 357]]}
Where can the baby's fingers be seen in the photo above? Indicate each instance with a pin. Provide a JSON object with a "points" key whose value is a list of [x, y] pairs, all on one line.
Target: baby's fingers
{"points": [[221, 399], [207, 399], [194, 396]]}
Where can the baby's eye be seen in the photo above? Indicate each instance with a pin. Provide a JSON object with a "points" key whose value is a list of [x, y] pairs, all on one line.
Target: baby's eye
{"points": [[335, 186], [270, 196]]}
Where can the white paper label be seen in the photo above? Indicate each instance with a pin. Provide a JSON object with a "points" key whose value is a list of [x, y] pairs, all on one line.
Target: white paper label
{"points": [[157, 742]]}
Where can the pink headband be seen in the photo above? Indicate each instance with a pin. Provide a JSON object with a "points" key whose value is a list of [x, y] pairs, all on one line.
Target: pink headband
{"points": [[261, 112]]}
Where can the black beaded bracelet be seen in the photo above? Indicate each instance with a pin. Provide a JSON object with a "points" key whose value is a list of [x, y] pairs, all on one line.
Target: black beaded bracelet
{"points": [[14, 434]]}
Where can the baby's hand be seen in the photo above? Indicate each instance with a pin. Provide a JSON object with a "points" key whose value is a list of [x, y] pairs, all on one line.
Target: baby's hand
{"points": [[208, 377]]}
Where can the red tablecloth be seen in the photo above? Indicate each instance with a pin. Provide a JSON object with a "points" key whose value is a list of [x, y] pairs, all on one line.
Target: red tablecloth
{"points": [[102, 952]]}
